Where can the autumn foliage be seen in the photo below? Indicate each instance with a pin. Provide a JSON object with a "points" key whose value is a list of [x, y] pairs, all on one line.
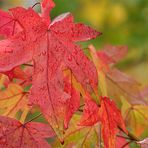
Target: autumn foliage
{"points": [[81, 99]]}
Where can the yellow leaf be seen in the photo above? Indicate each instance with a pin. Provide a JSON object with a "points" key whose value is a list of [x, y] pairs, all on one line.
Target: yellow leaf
{"points": [[135, 117], [12, 100], [2, 80], [75, 83], [99, 66]]}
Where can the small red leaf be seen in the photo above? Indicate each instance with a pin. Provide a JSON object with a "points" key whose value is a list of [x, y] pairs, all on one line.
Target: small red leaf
{"points": [[111, 118], [90, 113]]}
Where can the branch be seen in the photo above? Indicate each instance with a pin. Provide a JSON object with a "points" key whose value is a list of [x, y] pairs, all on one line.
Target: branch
{"points": [[28, 65], [130, 135], [36, 4], [33, 118]]}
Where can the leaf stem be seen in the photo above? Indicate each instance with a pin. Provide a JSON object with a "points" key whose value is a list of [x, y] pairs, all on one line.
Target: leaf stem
{"points": [[36, 4], [124, 137], [100, 135], [33, 118], [28, 65], [130, 135], [126, 144]]}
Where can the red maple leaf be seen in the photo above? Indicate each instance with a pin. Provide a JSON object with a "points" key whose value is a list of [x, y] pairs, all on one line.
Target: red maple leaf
{"points": [[8, 25], [112, 54], [51, 48], [28, 135], [108, 114], [111, 118], [90, 113]]}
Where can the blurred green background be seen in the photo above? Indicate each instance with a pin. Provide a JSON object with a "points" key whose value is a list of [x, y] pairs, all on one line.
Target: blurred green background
{"points": [[122, 22]]}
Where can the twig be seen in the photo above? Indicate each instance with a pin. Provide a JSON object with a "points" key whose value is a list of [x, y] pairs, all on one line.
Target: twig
{"points": [[126, 144], [28, 65], [33, 118], [100, 135], [36, 4], [130, 135], [123, 137]]}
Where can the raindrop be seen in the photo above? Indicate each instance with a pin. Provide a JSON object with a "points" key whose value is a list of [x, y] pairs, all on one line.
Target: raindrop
{"points": [[70, 58], [2, 140], [30, 104], [39, 54], [8, 50], [35, 39], [31, 14], [87, 81], [41, 69], [4, 129], [23, 37], [43, 88], [75, 52], [44, 53]]}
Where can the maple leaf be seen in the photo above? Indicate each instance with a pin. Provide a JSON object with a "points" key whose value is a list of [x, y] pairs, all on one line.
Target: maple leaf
{"points": [[116, 80], [31, 134], [8, 25], [76, 136], [112, 54], [50, 47], [135, 116], [12, 100], [90, 112], [110, 117], [81, 137], [126, 85]]}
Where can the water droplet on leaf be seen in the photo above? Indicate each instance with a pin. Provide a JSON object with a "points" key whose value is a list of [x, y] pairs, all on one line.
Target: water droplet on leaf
{"points": [[70, 58]]}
